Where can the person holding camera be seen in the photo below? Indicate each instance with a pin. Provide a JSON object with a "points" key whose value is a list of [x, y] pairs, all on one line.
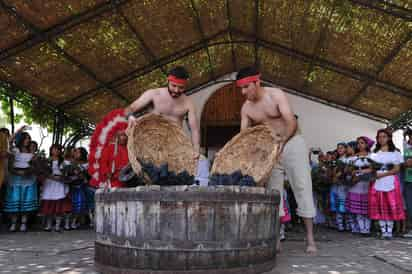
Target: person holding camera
{"points": [[339, 189], [318, 153], [320, 184]]}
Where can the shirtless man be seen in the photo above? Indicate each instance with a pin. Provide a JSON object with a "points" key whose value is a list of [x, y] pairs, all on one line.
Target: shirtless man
{"points": [[170, 102], [270, 106]]}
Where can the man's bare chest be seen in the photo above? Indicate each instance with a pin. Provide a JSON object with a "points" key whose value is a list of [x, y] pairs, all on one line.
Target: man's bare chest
{"points": [[170, 108], [260, 113]]}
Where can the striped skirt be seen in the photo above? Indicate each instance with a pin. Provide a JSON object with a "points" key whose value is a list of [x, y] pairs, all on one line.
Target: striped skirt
{"points": [[21, 194], [357, 199]]}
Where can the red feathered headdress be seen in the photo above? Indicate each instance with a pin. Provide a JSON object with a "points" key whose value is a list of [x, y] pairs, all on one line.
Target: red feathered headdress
{"points": [[113, 123]]}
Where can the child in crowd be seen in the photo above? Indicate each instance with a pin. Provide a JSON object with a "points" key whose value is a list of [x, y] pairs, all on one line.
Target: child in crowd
{"points": [[287, 217], [55, 195], [347, 181], [79, 197], [339, 190]]}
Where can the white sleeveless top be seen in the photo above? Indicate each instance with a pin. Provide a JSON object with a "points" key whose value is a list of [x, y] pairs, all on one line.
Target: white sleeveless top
{"points": [[386, 183], [21, 159]]}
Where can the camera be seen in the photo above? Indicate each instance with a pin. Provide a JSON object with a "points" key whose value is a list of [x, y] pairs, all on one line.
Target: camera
{"points": [[315, 150], [332, 164]]}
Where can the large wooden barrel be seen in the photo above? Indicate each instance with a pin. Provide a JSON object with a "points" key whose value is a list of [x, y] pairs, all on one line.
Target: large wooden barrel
{"points": [[186, 229]]}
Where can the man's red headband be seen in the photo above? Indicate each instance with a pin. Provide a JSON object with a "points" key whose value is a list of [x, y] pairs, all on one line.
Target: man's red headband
{"points": [[247, 80], [176, 80]]}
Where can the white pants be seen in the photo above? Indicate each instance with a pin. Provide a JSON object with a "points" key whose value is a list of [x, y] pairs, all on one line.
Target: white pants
{"points": [[295, 163]]}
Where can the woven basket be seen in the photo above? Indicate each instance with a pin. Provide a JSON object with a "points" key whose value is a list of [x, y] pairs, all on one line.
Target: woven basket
{"points": [[253, 151], [157, 140]]}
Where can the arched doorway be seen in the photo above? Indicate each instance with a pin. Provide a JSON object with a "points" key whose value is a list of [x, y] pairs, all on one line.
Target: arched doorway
{"points": [[220, 119]]}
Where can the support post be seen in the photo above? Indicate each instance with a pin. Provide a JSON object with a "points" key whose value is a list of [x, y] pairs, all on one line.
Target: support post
{"points": [[11, 102]]}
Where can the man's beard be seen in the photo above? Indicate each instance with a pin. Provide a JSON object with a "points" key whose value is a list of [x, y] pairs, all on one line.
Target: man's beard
{"points": [[251, 98], [174, 94]]}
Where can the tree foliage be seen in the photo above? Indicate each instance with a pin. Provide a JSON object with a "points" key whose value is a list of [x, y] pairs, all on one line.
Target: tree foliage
{"points": [[33, 110]]}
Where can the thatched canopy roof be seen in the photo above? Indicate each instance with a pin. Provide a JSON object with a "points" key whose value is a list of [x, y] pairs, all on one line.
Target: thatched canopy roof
{"points": [[87, 57]]}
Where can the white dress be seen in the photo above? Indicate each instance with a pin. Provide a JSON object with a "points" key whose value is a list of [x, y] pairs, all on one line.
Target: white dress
{"points": [[54, 189]]}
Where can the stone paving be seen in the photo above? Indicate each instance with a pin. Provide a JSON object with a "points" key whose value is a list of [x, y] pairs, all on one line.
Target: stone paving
{"points": [[339, 253], [47, 252], [343, 253]]}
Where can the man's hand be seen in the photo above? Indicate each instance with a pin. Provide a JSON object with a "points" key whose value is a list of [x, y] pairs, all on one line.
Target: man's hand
{"points": [[279, 151], [281, 141], [196, 156], [131, 123]]}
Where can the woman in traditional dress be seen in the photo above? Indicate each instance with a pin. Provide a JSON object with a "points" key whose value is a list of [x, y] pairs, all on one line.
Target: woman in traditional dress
{"points": [[21, 194], [385, 198], [357, 199]]}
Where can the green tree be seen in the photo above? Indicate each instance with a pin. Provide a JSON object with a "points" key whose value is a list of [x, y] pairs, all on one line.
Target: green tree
{"points": [[33, 109]]}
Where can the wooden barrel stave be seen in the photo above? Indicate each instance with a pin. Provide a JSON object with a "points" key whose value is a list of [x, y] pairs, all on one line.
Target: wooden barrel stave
{"points": [[193, 231]]}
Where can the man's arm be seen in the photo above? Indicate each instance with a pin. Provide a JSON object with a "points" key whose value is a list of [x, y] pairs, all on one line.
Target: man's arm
{"points": [[194, 126], [145, 99], [245, 120], [287, 115]]}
